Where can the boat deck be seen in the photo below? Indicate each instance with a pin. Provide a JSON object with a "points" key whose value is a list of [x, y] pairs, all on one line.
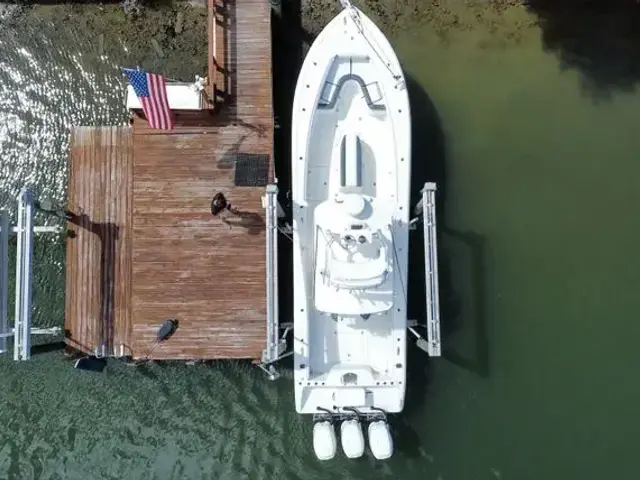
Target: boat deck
{"points": [[146, 246]]}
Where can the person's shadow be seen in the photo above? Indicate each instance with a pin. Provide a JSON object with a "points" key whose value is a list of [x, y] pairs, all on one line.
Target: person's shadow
{"points": [[103, 328], [252, 222]]}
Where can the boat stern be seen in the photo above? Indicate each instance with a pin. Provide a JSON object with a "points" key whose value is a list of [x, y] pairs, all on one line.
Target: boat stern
{"points": [[351, 387]]}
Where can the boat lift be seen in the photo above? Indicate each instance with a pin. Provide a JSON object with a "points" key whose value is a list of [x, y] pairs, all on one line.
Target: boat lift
{"points": [[24, 230], [426, 210], [276, 333]]}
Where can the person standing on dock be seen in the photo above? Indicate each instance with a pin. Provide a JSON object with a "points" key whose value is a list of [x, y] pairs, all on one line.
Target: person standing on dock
{"points": [[219, 204]]}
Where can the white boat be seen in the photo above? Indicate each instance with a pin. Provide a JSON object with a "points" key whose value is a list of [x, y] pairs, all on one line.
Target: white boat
{"points": [[351, 167]]}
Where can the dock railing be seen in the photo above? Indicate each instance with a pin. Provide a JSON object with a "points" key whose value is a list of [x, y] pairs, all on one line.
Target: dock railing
{"points": [[24, 230]]}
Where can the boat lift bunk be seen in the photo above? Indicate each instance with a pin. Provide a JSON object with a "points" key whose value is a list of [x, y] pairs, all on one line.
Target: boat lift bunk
{"points": [[275, 349], [426, 210]]}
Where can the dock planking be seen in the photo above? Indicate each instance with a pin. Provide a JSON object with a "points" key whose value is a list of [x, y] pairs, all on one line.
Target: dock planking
{"points": [[207, 272], [98, 275]]}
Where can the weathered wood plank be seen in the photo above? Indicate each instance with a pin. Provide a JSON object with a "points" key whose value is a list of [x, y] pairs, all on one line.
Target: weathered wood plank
{"points": [[189, 265], [99, 248]]}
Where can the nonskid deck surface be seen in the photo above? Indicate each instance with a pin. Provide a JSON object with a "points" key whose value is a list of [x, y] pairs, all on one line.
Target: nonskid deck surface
{"points": [[354, 341]]}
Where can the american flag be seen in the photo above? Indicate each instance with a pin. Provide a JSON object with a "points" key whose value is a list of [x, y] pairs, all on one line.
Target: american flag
{"points": [[151, 89]]}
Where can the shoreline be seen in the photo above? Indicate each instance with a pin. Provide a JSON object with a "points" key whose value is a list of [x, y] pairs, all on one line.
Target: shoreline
{"points": [[496, 16]]}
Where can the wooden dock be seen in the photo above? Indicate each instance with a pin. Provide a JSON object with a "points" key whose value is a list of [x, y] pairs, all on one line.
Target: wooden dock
{"points": [[98, 279], [146, 246]]}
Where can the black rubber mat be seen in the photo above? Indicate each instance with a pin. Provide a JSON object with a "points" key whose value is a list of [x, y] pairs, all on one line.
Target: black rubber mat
{"points": [[252, 170]]}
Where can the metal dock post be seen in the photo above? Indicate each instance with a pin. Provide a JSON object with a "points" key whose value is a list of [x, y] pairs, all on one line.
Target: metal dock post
{"points": [[431, 269]]}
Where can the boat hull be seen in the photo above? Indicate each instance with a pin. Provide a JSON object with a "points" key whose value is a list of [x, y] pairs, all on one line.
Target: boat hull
{"points": [[351, 166]]}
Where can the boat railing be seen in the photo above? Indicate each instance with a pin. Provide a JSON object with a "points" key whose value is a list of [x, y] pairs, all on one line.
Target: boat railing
{"points": [[24, 231]]}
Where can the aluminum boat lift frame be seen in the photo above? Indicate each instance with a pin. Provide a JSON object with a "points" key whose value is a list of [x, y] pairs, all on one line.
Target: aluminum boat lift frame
{"points": [[427, 213], [24, 230], [277, 332]]}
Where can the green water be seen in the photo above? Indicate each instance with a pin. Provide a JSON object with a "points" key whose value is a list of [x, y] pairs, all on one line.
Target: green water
{"points": [[540, 182], [539, 287]]}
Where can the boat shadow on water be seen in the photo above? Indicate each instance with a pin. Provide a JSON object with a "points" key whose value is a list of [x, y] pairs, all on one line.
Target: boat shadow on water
{"points": [[462, 286], [429, 164]]}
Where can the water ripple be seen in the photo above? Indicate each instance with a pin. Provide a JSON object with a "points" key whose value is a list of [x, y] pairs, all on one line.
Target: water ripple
{"points": [[47, 85]]}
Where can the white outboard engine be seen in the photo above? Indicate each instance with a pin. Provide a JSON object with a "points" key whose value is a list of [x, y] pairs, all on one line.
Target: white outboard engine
{"points": [[352, 438], [380, 440], [324, 440]]}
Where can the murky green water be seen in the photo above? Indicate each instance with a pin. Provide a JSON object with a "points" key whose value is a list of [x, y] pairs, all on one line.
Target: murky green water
{"points": [[539, 193], [540, 278]]}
